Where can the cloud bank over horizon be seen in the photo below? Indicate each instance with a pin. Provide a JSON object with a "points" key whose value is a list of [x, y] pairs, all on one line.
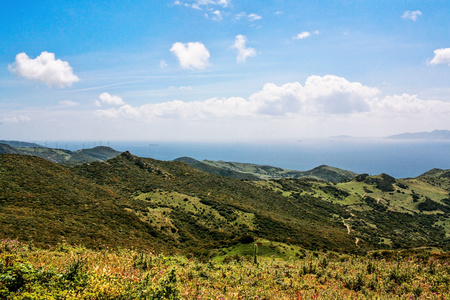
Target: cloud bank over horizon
{"points": [[319, 96], [322, 106]]}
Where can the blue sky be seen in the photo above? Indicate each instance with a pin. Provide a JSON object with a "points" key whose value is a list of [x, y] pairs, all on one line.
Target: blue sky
{"points": [[222, 70]]}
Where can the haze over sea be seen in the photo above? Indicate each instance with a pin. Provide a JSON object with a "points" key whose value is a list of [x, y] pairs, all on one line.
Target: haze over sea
{"points": [[400, 159]]}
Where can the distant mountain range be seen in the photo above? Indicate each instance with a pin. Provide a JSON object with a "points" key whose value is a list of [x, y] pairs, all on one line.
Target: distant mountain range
{"points": [[433, 135]]}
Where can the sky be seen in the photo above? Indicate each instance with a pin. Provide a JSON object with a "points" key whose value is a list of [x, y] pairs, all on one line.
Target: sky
{"points": [[222, 70]]}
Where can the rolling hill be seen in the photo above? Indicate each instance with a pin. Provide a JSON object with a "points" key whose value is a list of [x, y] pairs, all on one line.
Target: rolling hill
{"points": [[169, 206], [258, 172], [60, 156]]}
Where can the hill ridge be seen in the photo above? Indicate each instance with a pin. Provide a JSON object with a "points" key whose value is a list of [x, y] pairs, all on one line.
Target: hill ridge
{"points": [[323, 172]]}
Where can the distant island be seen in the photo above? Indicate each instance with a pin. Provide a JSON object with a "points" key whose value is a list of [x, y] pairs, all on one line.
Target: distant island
{"points": [[433, 135]]}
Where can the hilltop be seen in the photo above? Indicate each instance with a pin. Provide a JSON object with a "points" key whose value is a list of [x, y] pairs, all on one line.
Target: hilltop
{"points": [[20, 144], [60, 156], [169, 206], [258, 172]]}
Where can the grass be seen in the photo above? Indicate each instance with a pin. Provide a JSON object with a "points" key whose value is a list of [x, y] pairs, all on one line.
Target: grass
{"points": [[67, 272]]}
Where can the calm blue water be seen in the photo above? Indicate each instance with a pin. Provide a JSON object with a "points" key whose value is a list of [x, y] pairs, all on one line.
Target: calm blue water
{"points": [[397, 158]]}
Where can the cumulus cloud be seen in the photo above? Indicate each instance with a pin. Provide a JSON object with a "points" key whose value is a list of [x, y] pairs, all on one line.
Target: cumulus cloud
{"points": [[302, 35], [321, 96], [328, 94], [411, 15], [193, 55], [254, 17], [441, 56], [106, 98], [243, 52], [409, 104], [44, 68]]}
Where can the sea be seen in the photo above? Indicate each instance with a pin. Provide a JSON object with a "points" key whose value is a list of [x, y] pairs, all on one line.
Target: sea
{"points": [[398, 158]]}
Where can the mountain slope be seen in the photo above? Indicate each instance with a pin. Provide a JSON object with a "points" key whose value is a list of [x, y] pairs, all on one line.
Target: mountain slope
{"points": [[203, 208], [437, 177], [19, 144], [130, 201], [7, 149], [205, 167], [71, 158], [382, 210], [46, 203], [268, 172]]}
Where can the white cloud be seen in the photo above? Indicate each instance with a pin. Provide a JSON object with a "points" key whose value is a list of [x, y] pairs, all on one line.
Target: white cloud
{"points": [[216, 15], [243, 52], [68, 103], [411, 15], [305, 34], [44, 68], [328, 94], [409, 104], [106, 98], [254, 17], [193, 55], [323, 97], [441, 56], [302, 35], [198, 4]]}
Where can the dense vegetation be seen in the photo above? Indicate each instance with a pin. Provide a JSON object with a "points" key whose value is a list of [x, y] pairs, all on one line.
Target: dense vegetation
{"points": [[66, 272], [257, 172], [130, 201]]}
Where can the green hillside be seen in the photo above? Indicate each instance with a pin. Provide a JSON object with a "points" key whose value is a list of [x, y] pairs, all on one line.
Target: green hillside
{"points": [[398, 213], [200, 208], [208, 168], [268, 172], [70, 158], [46, 203], [437, 177], [20, 144], [170, 206], [7, 149]]}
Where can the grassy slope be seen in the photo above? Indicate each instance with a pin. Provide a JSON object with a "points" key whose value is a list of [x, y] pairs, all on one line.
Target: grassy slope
{"points": [[71, 158], [46, 203], [208, 168], [268, 172], [398, 213], [192, 201], [142, 202]]}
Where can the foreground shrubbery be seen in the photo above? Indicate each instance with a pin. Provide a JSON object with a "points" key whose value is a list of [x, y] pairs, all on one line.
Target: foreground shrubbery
{"points": [[77, 273]]}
